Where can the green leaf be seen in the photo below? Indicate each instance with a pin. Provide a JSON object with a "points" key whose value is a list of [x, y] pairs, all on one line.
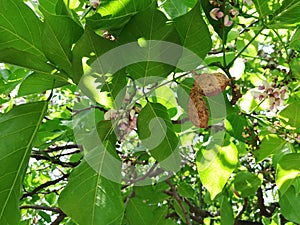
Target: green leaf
{"points": [[25, 59], [160, 216], [290, 204], [156, 131], [287, 15], [215, 166], [262, 7], [193, 30], [138, 213], [89, 45], [56, 7], [151, 24], [295, 42], [113, 15], [38, 83], [246, 183], [290, 115], [185, 190], [20, 28], [91, 199], [226, 211], [287, 171], [175, 8], [295, 66], [271, 144], [59, 34], [22, 122]]}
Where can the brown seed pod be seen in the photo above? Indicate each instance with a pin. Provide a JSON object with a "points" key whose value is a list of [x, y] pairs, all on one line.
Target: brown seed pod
{"points": [[211, 84], [197, 109], [204, 85]]}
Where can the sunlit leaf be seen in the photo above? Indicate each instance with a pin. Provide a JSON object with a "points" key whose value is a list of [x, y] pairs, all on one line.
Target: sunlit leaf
{"points": [[288, 117], [215, 166], [287, 171]]}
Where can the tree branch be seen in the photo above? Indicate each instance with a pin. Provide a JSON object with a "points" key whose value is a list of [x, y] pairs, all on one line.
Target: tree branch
{"points": [[60, 218], [54, 161], [58, 148], [261, 204], [42, 186], [42, 207]]}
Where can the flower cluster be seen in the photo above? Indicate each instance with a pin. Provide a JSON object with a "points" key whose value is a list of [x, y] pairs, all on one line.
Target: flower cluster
{"points": [[226, 14], [275, 94], [124, 120]]}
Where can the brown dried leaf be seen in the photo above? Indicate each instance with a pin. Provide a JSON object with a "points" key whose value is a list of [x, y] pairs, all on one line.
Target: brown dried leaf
{"points": [[197, 109], [211, 84]]}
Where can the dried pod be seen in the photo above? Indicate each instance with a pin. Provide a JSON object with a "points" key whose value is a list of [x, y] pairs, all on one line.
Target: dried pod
{"points": [[204, 85], [197, 109], [211, 84]]}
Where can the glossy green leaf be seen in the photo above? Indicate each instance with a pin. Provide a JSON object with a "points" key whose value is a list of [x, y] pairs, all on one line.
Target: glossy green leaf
{"points": [[246, 183], [113, 15], [20, 28], [288, 117], [271, 144], [289, 205], [91, 199], [22, 122], [138, 213], [89, 45], [193, 32], [295, 42], [215, 166], [287, 15], [38, 83], [175, 8], [59, 34], [156, 131], [151, 24], [287, 171]]}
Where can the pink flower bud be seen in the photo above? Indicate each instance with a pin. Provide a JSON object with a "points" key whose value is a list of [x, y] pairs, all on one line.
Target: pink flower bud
{"points": [[213, 13], [227, 21], [95, 3]]}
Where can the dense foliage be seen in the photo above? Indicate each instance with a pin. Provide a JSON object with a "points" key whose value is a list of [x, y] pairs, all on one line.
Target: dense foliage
{"points": [[95, 109]]}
